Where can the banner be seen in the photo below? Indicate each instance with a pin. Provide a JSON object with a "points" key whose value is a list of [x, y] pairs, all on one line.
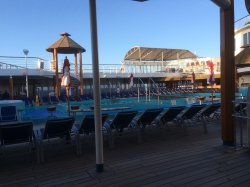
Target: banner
{"points": [[210, 78]]}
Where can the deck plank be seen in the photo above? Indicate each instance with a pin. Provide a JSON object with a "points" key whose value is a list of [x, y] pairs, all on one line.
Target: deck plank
{"points": [[195, 160]]}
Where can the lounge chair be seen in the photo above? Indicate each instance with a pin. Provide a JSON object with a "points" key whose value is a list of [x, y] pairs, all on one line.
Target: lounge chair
{"points": [[240, 108], [8, 113], [207, 113], [170, 115], [55, 128], [121, 121], [189, 115], [87, 127], [17, 133], [148, 117]]}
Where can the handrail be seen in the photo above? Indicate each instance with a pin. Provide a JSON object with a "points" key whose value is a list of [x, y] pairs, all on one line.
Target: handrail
{"points": [[159, 89]]}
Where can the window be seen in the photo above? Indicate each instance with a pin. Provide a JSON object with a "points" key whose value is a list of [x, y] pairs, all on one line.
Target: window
{"points": [[246, 38]]}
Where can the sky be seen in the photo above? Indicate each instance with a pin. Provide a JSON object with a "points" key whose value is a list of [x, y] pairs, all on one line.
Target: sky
{"points": [[122, 24]]}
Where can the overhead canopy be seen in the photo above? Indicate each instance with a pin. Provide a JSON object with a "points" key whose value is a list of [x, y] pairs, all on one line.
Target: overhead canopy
{"points": [[157, 54], [243, 58], [65, 45]]}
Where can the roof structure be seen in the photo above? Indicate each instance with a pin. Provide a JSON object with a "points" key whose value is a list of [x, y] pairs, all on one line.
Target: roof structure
{"points": [[157, 54], [65, 45]]}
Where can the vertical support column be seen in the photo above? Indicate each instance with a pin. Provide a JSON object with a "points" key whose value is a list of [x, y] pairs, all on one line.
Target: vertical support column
{"points": [[96, 83], [76, 65], [227, 73], [11, 90], [140, 59], [81, 74], [162, 58], [53, 66], [57, 77]]}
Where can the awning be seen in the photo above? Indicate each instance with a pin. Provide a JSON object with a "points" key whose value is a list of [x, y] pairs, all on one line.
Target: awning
{"points": [[157, 54]]}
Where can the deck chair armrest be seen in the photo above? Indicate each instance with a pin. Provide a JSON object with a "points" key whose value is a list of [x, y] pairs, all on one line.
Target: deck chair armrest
{"points": [[107, 124], [134, 123], [75, 128], [34, 136], [37, 134]]}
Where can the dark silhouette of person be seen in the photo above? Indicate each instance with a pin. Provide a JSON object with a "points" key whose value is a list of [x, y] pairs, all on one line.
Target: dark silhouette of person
{"points": [[6, 95]]}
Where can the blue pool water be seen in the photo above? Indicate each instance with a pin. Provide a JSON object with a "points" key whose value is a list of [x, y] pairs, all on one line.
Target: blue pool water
{"points": [[39, 115], [243, 91]]}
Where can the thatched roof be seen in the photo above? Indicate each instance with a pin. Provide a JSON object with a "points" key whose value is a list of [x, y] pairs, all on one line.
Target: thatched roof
{"points": [[65, 45], [157, 54]]}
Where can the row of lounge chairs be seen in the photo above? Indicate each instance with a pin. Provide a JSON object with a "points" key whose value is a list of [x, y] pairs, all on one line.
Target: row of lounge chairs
{"points": [[130, 121], [46, 100]]}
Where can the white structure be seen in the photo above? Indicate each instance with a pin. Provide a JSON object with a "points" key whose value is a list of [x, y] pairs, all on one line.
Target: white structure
{"points": [[242, 55], [242, 38]]}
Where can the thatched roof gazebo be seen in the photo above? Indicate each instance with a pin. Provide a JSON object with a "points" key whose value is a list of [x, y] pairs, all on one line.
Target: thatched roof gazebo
{"points": [[65, 45]]}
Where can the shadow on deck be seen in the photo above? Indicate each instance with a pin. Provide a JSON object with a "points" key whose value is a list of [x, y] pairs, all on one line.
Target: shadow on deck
{"points": [[176, 160]]}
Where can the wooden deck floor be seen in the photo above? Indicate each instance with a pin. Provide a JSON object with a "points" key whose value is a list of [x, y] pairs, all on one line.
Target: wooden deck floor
{"points": [[176, 160]]}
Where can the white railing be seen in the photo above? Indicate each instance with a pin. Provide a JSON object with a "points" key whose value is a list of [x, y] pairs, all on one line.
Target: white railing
{"points": [[10, 62]]}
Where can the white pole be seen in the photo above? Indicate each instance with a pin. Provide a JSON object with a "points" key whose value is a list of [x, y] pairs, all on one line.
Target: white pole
{"points": [[26, 51], [27, 83], [96, 82]]}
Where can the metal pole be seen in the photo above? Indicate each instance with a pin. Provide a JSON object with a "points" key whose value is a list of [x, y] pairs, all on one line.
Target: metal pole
{"points": [[96, 81], [27, 84], [26, 51]]}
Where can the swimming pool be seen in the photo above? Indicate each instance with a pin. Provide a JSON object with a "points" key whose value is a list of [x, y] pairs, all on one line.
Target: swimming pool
{"points": [[40, 114]]}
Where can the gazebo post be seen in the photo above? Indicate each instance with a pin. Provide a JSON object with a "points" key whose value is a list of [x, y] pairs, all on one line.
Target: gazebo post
{"points": [[76, 73], [76, 66], [81, 74], [53, 61], [57, 78]]}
